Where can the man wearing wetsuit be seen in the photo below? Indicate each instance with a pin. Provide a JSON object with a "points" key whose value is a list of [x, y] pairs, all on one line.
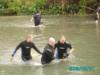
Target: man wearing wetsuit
{"points": [[37, 18], [26, 48], [97, 16], [48, 53], [97, 13], [62, 48]]}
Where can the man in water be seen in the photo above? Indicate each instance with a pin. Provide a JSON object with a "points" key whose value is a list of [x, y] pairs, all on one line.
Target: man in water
{"points": [[37, 18], [26, 46], [97, 14], [62, 48], [97, 17], [48, 53]]}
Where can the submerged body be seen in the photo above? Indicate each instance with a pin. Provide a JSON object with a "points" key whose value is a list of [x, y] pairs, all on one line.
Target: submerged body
{"points": [[26, 47], [48, 53], [97, 16], [62, 50], [37, 19], [26, 50]]}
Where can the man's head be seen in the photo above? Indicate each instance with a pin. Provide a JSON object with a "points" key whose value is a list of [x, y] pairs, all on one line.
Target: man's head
{"points": [[62, 39], [38, 12], [29, 38], [51, 41]]}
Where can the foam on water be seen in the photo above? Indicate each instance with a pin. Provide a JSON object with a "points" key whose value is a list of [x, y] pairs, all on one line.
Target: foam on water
{"points": [[31, 26], [5, 59], [19, 62]]}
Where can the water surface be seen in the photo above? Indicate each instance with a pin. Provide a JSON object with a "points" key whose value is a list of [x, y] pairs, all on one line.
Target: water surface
{"points": [[81, 32]]}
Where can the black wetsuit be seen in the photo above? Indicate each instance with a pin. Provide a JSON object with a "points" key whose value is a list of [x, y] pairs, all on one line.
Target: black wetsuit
{"points": [[26, 50], [37, 19], [47, 55], [62, 50]]}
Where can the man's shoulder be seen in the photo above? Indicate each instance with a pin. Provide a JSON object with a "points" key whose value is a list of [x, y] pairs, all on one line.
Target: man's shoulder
{"points": [[57, 43], [48, 48], [22, 42], [67, 43]]}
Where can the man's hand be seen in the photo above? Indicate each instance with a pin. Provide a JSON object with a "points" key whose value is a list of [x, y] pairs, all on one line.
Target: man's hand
{"points": [[11, 57]]}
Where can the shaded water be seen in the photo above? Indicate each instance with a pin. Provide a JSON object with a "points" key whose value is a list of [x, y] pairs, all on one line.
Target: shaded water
{"points": [[81, 32]]}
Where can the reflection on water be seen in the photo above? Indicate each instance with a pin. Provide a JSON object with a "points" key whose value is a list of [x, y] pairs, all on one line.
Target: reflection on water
{"points": [[81, 32]]}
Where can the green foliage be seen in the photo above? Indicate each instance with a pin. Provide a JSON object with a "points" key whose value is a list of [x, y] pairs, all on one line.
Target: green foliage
{"points": [[3, 4], [89, 6], [26, 7], [38, 5], [92, 4], [55, 9], [73, 8], [14, 5], [81, 5]]}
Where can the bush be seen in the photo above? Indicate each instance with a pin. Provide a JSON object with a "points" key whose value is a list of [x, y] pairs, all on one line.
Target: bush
{"points": [[38, 5], [55, 9], [73, 9], [27, 7], [7, 12]]}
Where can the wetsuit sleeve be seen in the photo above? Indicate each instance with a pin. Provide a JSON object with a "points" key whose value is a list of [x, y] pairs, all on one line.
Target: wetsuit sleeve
{"points": [[69, 46], [35, 48], [55, 45], [16, 49]]}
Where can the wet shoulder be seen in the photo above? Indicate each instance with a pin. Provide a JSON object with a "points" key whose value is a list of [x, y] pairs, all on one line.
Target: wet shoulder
{"points": [[26, 43], [57, 44], [48, 48], [68, 44]]}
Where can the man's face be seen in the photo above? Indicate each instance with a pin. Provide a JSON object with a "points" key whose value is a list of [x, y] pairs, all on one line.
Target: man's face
{"points": [[30, 38], [62, 41], [51, 42]]}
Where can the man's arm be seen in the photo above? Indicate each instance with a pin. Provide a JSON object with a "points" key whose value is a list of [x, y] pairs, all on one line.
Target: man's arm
{"points": [[35, 48], [71, 48], [55, 46], [98, 15], [16, 49]]}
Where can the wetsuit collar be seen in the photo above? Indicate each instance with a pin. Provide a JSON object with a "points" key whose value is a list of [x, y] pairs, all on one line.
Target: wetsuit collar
{"points": [[61, 43]]}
